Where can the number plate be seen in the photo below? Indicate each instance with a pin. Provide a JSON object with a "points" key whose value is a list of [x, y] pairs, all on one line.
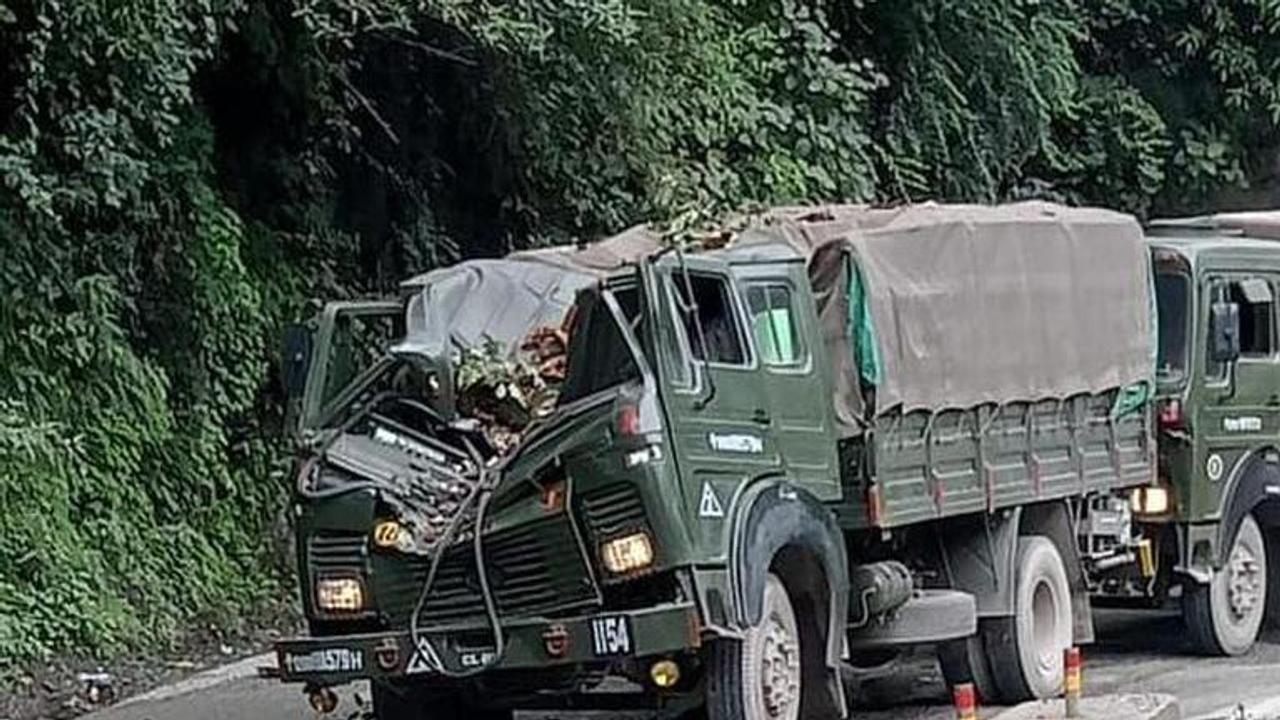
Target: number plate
{"points": [[611, 636]]}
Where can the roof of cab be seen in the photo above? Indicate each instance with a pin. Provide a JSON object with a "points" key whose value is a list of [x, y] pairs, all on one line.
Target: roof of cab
{"points": [[1253, 234]]}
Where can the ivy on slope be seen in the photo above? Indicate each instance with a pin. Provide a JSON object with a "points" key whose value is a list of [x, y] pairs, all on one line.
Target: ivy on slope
{"points": [[134, 481]]}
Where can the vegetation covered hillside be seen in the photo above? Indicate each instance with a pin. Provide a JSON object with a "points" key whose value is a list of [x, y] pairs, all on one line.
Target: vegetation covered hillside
{"points": [[178, 177]]}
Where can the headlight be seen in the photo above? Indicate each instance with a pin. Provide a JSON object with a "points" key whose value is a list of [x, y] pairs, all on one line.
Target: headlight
{"points": [[627, 554], [340, 595], [389, 534], [1150, 500]]}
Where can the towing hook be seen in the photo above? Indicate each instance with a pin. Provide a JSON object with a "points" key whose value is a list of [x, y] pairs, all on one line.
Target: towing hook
{"points": [[322, 699]]}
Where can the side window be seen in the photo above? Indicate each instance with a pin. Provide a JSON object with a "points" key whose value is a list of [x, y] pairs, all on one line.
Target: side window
{"points": [[720, 339], [1256, 300], [1215, 371], [1257, 309], [773, 324]]}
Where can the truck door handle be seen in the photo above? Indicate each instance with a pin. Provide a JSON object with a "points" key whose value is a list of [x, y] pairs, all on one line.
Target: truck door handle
{"points": [[760, 416]]}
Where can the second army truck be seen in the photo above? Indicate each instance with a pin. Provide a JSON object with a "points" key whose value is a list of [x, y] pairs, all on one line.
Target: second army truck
{"points": [[820, 437], [1214, 514]]}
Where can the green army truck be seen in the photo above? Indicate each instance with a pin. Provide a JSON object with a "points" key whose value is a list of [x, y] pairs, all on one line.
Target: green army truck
{"points": [[814, 439], [1215, 513]]}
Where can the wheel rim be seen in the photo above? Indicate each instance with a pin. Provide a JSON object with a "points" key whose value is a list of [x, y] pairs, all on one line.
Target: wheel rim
{"points": [[780, 668], [1244, 582], [1044, 626]]}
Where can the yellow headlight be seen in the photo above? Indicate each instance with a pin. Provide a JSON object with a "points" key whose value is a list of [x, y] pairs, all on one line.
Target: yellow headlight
{"points": [[1150, 500], [627, 554], [340, 594]]}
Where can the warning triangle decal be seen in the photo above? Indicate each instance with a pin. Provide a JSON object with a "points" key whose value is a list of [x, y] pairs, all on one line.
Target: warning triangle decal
{"points": [[710, 506], [425, 660]]}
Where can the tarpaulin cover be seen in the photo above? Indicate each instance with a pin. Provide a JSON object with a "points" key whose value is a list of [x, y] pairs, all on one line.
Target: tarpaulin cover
{"points": [[935, 306], [976, 304], [502, 300]]}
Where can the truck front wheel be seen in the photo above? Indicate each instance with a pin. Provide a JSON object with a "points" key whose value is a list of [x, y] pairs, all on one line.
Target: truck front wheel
{"points": [[408, 703], [759, 677], [1224, 616]]}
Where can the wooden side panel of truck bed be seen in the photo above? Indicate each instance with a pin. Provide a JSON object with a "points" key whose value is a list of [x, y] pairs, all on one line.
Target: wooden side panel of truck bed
{"points": [[927, 465]]}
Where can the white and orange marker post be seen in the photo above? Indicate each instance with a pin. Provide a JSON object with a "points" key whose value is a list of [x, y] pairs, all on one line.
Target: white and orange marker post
{"points": [[1071, 681], [966, 701]]}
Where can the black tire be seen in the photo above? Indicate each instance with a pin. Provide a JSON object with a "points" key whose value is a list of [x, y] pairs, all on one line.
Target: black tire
{"points": [[1026, 652], [403, 703], [965, 661], [759, 678], [1224, 616]]}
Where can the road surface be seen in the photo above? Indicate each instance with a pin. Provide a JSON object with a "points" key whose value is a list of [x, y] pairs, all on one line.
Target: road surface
{"points": [[1136, 652]]}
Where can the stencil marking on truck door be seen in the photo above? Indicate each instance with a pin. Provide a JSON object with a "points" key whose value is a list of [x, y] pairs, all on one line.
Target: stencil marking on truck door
{"points": [[737, 443]]}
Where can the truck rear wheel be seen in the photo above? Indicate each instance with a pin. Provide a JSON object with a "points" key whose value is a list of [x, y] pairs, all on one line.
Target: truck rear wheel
{"points": [[759, 677], [1026, 655], [406, 703], [1225, 615]]}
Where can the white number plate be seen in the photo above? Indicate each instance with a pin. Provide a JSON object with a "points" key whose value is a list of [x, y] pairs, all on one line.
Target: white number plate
{"points": [[611, 636]]}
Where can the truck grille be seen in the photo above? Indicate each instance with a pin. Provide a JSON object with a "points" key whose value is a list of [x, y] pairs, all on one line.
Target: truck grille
{"points": [[612, 511], [332, 552], [533, 569]]}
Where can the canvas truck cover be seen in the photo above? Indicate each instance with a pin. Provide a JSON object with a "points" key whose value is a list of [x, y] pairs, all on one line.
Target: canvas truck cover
{"points": [[502, 300], [952, 306], [936, 306]]}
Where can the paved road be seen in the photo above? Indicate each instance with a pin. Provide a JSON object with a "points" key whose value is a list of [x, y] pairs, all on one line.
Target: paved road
{"points": [[1136, 652]]}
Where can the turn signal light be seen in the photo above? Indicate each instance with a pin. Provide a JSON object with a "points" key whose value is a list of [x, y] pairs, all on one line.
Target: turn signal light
{"points": [[627, 554], [665, 674], [388, 534], [340, 594], [628, 420]]}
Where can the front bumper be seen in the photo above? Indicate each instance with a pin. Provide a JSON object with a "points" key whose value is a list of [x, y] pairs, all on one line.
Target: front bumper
{"points": [[532, 643]]}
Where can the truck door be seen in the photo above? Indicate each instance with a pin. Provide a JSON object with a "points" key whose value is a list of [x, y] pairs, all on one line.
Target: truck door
{"points": [[350, 341], [710, 381], [1243, 398], [784, 327]]}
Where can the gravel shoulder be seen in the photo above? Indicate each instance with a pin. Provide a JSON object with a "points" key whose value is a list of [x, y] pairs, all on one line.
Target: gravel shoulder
{"points": [[69, 687]]}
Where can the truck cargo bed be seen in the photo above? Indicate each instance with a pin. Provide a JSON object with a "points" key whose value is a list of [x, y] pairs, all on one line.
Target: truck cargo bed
{"points": [[926, 465]]}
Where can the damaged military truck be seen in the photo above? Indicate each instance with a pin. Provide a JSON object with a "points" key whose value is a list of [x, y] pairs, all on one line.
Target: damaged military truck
{"points": [[815, 438]]}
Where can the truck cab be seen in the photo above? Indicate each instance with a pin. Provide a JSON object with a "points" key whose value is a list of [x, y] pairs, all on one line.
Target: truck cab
{"points": [[1217, 507]]}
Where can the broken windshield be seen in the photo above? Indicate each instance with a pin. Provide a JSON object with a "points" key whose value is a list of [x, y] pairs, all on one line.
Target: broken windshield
{"points": [[600, 356]]}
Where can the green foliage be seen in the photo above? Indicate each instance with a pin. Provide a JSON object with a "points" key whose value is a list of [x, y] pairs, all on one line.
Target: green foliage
{"points": [[1209, 69], [974, 93], [178, 178], [132, 492], [1119, 147]]}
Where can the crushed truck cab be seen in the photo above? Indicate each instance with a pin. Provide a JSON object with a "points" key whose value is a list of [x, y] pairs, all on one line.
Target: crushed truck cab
{"points": [[816, 437]]}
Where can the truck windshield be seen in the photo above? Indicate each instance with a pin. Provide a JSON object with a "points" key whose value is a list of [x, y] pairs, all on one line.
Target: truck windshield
{"points": [[599, 355], [1173, 303]]}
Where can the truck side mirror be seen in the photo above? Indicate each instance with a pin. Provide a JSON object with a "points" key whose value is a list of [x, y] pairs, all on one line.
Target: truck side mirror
{"points": [[295, 358], [1224, 332]]}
